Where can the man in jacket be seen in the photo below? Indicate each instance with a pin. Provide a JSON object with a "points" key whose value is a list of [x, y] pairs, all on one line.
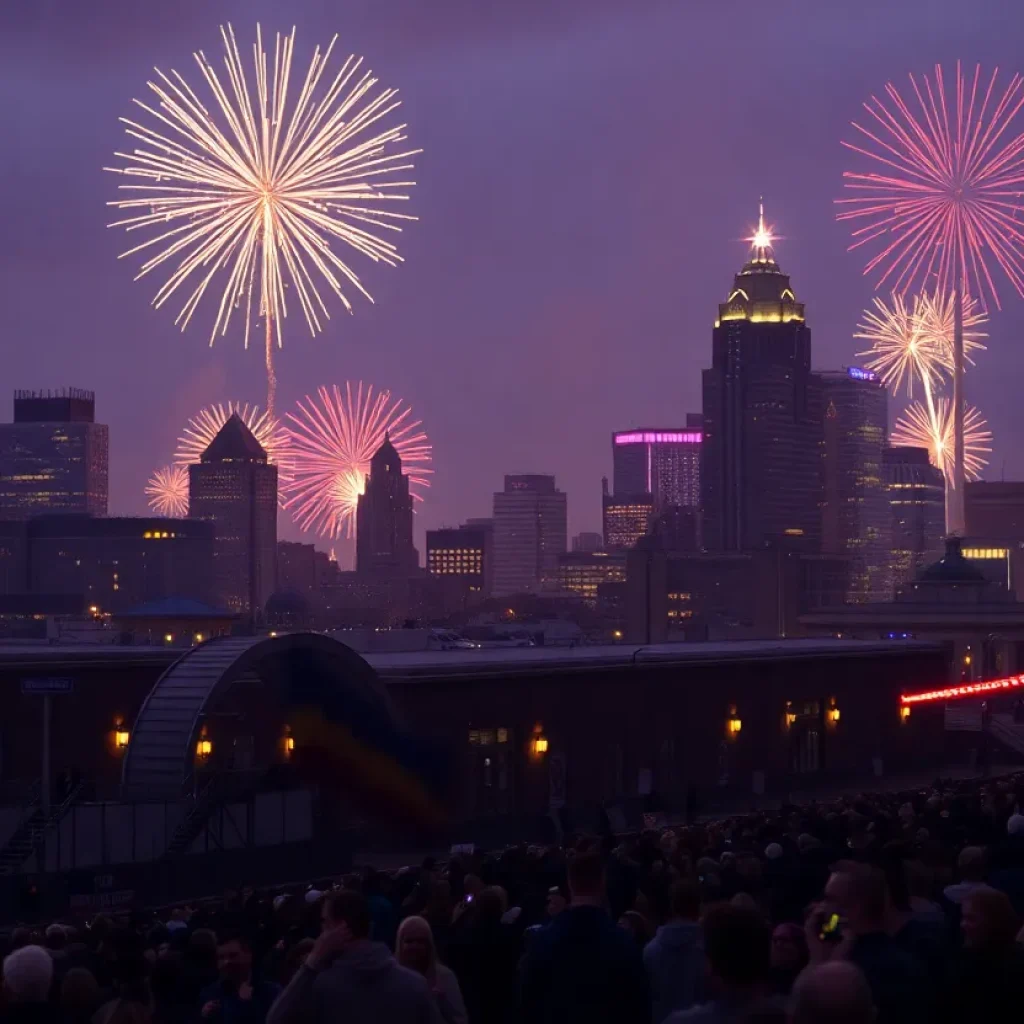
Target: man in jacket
{"points": [[347, 977], [581, 967]]}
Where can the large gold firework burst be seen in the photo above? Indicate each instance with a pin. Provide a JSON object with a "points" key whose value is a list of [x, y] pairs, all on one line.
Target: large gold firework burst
{"points": [[920, 427], [252, 191]]}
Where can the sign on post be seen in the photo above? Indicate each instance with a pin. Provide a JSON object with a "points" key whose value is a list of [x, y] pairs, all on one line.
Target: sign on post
{"points": [[47, 686]]}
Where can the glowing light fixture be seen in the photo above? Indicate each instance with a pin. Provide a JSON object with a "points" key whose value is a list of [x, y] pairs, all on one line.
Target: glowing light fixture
{"points": [[904, 712], [733, 724], [121, 738], [539, 743], [832, 713], [790, 715]]}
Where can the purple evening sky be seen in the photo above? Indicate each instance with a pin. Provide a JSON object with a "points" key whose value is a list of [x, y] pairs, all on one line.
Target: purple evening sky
{"points": [[590, 166]]}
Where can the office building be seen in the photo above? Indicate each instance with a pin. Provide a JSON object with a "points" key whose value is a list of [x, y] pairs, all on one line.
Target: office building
{"points": [[54, 456], [625, 517], [587, 542], [118, 564], [855, 512], [761, 450], [995, 509], [530, 533], [662, 462], [384, 545], [234, 486], [677, 529], [298, 568], [917, 506], [581, 573], [459, 554]]}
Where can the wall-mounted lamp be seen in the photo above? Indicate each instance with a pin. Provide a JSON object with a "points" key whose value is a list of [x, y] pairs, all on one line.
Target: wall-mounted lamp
{"points": [[733, 724], [832, 712]]}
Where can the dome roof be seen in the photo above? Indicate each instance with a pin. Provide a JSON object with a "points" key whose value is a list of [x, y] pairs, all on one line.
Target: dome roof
{"points": [[952, 567]]}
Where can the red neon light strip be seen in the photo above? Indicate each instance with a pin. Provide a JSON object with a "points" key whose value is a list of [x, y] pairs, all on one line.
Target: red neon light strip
{"points": [[967, 690]]}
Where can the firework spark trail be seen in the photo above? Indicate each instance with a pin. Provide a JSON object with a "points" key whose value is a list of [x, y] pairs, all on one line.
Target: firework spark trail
{"points": [[909, 344], [253, 193], [920, 428], [949, 187], [167, 491], [331, 442], [206, 425]]}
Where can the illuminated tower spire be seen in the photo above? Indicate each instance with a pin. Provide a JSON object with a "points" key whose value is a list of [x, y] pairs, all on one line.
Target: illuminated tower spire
{"points": [[761, 240], [761, 291]]}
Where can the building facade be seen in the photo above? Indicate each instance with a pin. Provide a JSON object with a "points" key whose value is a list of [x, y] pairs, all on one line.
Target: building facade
{"points": [[114, 563], [662, 462], [582, 573], [384, 544], [761, 461], [625, 518], [995, 509], [855, 512], [917, 507], [587, 542], [234, 486], [54, 457], [459, 554], [530, 533]]}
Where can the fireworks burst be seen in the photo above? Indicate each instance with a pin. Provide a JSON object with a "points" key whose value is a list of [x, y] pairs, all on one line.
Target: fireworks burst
{"points": [[252, 191], [331, 443], [167, 491], [206, 425], [948, 186], [920, 428], [917, 343]]}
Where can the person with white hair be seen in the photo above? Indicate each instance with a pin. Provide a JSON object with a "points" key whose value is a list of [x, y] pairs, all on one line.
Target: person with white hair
{"points": [[27, 977]]}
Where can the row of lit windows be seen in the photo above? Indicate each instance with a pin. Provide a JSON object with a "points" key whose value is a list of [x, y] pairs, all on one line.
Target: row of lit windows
{"points": [[686, 613], [680, 596], [158, 535], [986, 552], [487, 737], [456, 551]]}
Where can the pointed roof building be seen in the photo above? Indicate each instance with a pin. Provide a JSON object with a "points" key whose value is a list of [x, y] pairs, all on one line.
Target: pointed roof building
{"points": [[235, 442]]}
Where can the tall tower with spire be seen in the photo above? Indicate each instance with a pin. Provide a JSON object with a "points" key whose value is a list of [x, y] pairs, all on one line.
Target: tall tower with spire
{"points": [[384, 546], [761, 456]]}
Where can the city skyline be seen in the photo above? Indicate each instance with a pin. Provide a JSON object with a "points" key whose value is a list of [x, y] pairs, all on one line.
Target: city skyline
{"points": [[444, 335]]}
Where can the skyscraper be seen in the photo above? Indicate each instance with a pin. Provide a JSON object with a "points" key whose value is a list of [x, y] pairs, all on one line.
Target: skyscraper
{"points": [[662, 462], [384, 544], [917, 504], [856, 521], [761, 460], [233, 485], [460, 553], [530, 533], [625, 518], [54, 456]]}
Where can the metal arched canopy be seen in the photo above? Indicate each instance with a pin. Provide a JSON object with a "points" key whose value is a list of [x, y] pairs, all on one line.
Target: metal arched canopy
{"points": [[160, 757]]}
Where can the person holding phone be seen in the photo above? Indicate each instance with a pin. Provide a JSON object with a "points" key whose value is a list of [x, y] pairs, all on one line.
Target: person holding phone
{"points": [[851, 924], [236, 997]]}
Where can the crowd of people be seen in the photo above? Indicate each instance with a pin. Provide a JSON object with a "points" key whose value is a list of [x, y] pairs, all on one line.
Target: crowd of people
{"points": [[884, 907]]}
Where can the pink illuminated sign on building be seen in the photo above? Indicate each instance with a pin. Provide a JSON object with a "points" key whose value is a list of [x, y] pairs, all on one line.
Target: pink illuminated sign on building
{"points": [[659, 437]]}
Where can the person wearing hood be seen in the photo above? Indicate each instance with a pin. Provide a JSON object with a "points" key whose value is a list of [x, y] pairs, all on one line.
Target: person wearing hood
{"points": [[674, 958], [347, 977]]}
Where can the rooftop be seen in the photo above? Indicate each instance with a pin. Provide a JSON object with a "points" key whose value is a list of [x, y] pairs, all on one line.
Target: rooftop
{"points": [[42, 656]]}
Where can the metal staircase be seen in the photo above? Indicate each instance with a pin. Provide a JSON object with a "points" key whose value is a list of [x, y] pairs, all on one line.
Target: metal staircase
{"points": [[1003, 728], [28, 837]]}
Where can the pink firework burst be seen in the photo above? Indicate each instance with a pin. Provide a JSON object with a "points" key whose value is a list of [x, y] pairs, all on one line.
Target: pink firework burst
{"points": [[167, 491], [947, 190], [331, 441]]}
